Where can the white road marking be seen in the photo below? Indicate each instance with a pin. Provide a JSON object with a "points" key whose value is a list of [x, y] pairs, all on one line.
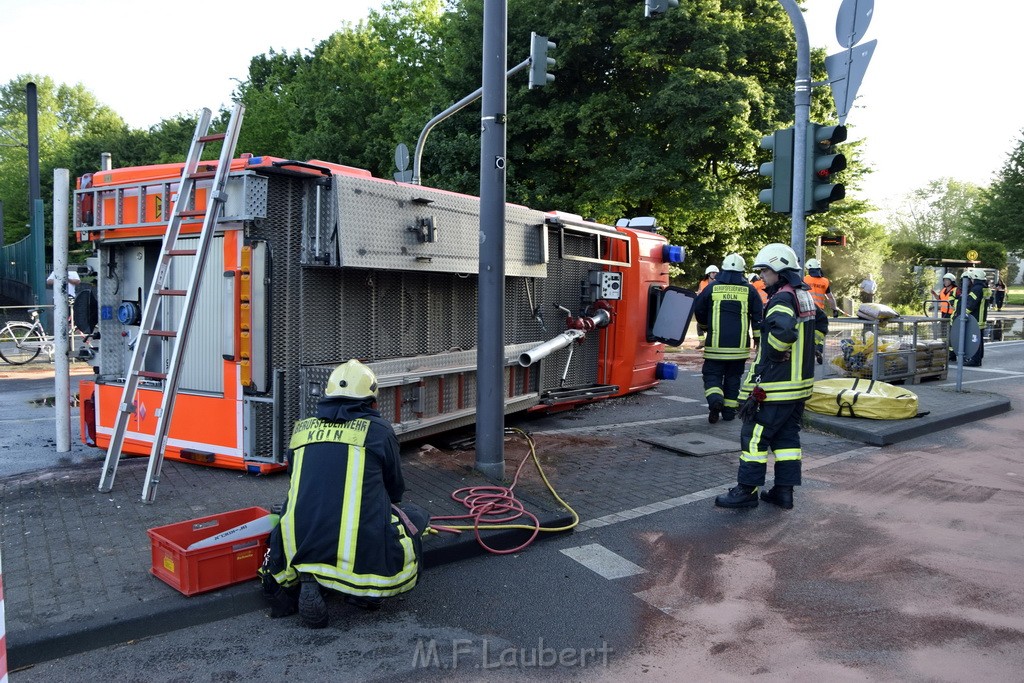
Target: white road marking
{"points": [[599, 559], [681, 399], [650, 509], [620, 425]]}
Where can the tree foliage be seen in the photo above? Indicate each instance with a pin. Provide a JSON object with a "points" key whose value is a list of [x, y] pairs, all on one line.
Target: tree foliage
{"points": [[1000, 216], [657, 117], [939, 213], [65, 115]]}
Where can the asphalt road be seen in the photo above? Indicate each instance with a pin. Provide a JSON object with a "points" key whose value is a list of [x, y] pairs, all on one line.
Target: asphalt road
{"points": [[898, 563]]}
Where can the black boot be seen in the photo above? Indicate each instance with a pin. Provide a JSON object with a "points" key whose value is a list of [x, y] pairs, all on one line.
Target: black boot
{"points": [[739, 496], [779, 495], [368, 604], [283, 601], [312, 607], [714, 412]]}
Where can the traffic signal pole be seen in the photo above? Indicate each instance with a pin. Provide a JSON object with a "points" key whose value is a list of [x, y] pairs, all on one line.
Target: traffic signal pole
{"points": [[490, 356], [801, 117]]}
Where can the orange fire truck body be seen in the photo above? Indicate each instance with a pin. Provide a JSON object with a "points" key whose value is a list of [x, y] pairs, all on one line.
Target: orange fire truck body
{"points": [[314, 263]]}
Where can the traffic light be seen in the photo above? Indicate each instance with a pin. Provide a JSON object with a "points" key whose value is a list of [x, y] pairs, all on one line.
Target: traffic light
{"points": [[780, 170], [539, 61], [822, 164], [655, 7]]}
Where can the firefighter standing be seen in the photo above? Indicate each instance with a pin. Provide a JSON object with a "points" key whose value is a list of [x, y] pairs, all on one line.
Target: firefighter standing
{"points": [[947, 295], [709, 276], [341, 528], [977, 307], [728, 309], [821, 287], [778, 383]]}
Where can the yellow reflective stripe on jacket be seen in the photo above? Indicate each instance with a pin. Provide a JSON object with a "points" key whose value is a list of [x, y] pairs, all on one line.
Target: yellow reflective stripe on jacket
{"points": [[353, 504], [315, 430], [714, 348]]}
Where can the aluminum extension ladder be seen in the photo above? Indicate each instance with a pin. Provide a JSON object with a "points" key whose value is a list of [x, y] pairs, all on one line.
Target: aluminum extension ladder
{"points": [[161, 288]]}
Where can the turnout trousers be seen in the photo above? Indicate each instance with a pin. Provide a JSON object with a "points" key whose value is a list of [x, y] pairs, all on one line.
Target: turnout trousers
{"points": [[777, 428], [722, 379]]}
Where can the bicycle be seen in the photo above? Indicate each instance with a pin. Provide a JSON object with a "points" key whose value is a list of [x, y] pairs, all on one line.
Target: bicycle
{"points": [[22, 342]]}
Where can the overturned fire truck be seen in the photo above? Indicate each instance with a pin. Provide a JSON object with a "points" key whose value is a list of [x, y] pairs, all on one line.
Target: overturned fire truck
{"points": [[313, 263]]}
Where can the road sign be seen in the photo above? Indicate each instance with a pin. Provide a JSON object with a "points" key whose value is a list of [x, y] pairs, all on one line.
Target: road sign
{"points": [[401, 157], [846, 73], [972, 340], [852, 21], [972, 255]]}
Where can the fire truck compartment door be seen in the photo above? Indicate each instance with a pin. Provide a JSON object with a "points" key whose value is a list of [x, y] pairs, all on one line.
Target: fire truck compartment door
{"points": [[671, 311]]}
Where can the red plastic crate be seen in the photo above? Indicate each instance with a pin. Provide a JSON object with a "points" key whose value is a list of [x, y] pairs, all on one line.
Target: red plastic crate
{"points": [[205, 569]]}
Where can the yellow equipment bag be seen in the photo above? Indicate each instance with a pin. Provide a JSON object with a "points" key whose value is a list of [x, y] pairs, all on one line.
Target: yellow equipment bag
{"points": [[857, 397]]}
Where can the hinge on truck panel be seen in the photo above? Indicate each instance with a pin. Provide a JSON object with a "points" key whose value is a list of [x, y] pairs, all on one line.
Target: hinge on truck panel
{"points": [[424, 229]]}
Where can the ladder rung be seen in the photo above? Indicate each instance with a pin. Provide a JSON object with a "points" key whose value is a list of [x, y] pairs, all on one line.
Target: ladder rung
{"points": [[171, 292], [202, 175], [151, 375], [161, 333], [181, 252], [192, 213], [212, 137]]}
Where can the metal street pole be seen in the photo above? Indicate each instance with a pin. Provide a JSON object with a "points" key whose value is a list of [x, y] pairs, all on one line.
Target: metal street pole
{"points": [[61, 311], [490, 357], [801, 116], [35, 201]]}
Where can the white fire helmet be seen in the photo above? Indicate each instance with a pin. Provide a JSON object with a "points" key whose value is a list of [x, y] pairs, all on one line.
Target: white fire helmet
{"points": [[778, 257], [711, 269], [813, 263], [735, 263]]}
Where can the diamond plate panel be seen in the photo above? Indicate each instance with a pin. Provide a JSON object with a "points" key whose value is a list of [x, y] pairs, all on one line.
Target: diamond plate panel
{"points": [[375, 217]]}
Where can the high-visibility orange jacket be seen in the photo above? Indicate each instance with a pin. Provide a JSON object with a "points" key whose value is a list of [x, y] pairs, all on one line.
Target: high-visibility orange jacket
{"points": [[947, 300], [759, 286], [819, 288]]}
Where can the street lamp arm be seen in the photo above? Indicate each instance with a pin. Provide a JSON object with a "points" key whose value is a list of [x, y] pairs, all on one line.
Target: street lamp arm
{"points": [[471, 97]]}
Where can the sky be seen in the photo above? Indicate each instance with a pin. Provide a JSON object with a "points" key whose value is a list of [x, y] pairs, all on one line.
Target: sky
{"points": [[940, 97]]}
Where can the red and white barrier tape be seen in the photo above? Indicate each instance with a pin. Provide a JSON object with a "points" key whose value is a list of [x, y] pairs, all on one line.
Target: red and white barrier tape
{"points": [[3, 628]]}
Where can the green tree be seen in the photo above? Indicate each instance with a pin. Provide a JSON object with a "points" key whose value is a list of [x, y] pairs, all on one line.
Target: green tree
{"points": [[1000, 215], [939, 213], [64, 113]]}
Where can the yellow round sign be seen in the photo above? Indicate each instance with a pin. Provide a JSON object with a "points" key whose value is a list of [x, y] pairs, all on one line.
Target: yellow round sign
{"points": [[972, 255]]}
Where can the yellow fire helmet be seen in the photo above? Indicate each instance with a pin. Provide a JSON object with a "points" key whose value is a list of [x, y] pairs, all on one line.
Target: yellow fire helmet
{"points": [[352, 379]]}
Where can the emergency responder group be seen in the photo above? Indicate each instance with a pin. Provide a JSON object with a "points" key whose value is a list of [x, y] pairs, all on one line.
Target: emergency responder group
{"points": [[791, 328]]}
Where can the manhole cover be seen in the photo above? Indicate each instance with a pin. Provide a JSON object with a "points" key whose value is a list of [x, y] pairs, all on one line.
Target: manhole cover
{"points": [[693, 443]]}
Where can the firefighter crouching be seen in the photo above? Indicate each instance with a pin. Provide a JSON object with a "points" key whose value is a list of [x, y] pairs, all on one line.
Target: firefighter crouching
{"points": [[341, 528], [778, 384], [728, 309]]}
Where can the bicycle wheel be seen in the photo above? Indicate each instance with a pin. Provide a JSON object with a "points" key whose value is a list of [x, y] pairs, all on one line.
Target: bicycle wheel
{"points": [[19, 343]]}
